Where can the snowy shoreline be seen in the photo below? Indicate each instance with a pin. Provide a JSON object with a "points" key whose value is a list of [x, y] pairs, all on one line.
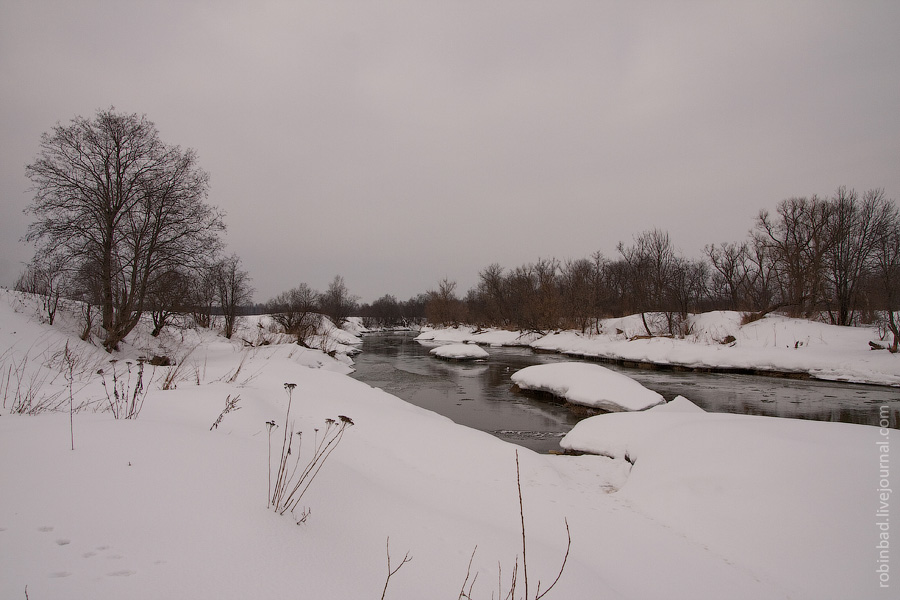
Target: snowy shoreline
{"points": [[774, 346]]}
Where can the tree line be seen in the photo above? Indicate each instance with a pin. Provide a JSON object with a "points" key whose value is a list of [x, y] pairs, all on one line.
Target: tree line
{"points": [[836, 258], [296, 311]]}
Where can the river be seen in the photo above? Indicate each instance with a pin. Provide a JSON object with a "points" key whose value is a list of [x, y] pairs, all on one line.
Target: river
{"points": [[479, 394]]}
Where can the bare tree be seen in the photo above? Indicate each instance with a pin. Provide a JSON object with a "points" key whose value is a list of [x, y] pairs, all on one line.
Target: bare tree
{"points": [[110, 193], [855, 228], [295, 311], [548, 297], [492, 294], [522, 290], [442, 306], [760, 286], [234, 290], [613, 287], [168, 294], [337, 303], [797, 241], [203, 295], [576, 282], [730, 262], [650, 264], [887, 272], [45, 276], [687, 291]]}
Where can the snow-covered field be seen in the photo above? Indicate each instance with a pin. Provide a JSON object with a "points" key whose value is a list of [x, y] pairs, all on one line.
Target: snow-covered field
{"points": [[163, 506], [717, 340]]}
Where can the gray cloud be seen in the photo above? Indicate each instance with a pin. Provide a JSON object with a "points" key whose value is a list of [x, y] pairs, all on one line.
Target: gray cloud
{"points": [[396, 143]]}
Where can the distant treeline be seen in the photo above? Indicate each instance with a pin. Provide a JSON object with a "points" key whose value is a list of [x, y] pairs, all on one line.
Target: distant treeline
{"points": [[837, 256]]}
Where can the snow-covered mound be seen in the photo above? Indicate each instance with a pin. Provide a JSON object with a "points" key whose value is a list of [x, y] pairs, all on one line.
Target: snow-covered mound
{"points": [[460, 352], [622, 435], [745, 484], [588, 385]]}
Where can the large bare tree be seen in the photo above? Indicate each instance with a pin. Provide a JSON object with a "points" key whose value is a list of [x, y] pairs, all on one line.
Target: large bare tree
{"points": [[856, 228], [649, 264], [796, 239], [887, 272], [117, 202]]}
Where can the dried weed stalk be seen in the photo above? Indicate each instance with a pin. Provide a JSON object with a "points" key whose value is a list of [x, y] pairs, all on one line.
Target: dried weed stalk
{"points": [[466, 594], [126, 399], [291, 482], [230, 406]]}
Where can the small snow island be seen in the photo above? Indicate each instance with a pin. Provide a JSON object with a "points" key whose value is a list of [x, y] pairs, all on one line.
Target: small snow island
{"points": [[587, 384], [460, 352]]}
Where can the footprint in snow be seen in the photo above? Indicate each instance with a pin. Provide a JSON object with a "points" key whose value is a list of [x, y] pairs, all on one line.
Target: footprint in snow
{"points": [[122, 573], [58, 574], [45, 528], [63, 542]]}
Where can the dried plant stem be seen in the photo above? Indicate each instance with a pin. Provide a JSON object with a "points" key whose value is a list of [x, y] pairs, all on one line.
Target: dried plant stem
{"points": [[522, 518], [290, 486], [70, 378], [125, 402], [465, 594], [562, 567], [230, 406], [390, 572]]}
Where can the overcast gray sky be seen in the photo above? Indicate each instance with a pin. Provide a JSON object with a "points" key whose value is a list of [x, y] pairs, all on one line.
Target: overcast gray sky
{"points": [[397, 143]]}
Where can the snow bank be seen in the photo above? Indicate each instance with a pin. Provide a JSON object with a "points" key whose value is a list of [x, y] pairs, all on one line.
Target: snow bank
{"points": [[460, 352], [623, 435], [756, 490], [487, 337], [588, 385], [717, 340]]}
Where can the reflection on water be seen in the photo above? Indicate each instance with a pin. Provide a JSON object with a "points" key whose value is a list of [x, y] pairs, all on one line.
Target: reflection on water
{"points": [[478, 394]]}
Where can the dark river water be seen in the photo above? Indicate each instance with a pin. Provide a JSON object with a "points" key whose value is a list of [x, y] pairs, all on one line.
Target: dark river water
{"points": [[479, 395]]}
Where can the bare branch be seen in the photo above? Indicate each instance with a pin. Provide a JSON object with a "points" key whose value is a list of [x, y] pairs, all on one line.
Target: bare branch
{"points": [[390, 573]]}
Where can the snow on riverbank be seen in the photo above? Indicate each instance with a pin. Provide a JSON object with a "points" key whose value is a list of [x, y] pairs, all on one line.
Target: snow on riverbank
{"points": [[163, 506], [460, 352], [808, 491], [486, 337], [587, 384], [718, 340]]}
